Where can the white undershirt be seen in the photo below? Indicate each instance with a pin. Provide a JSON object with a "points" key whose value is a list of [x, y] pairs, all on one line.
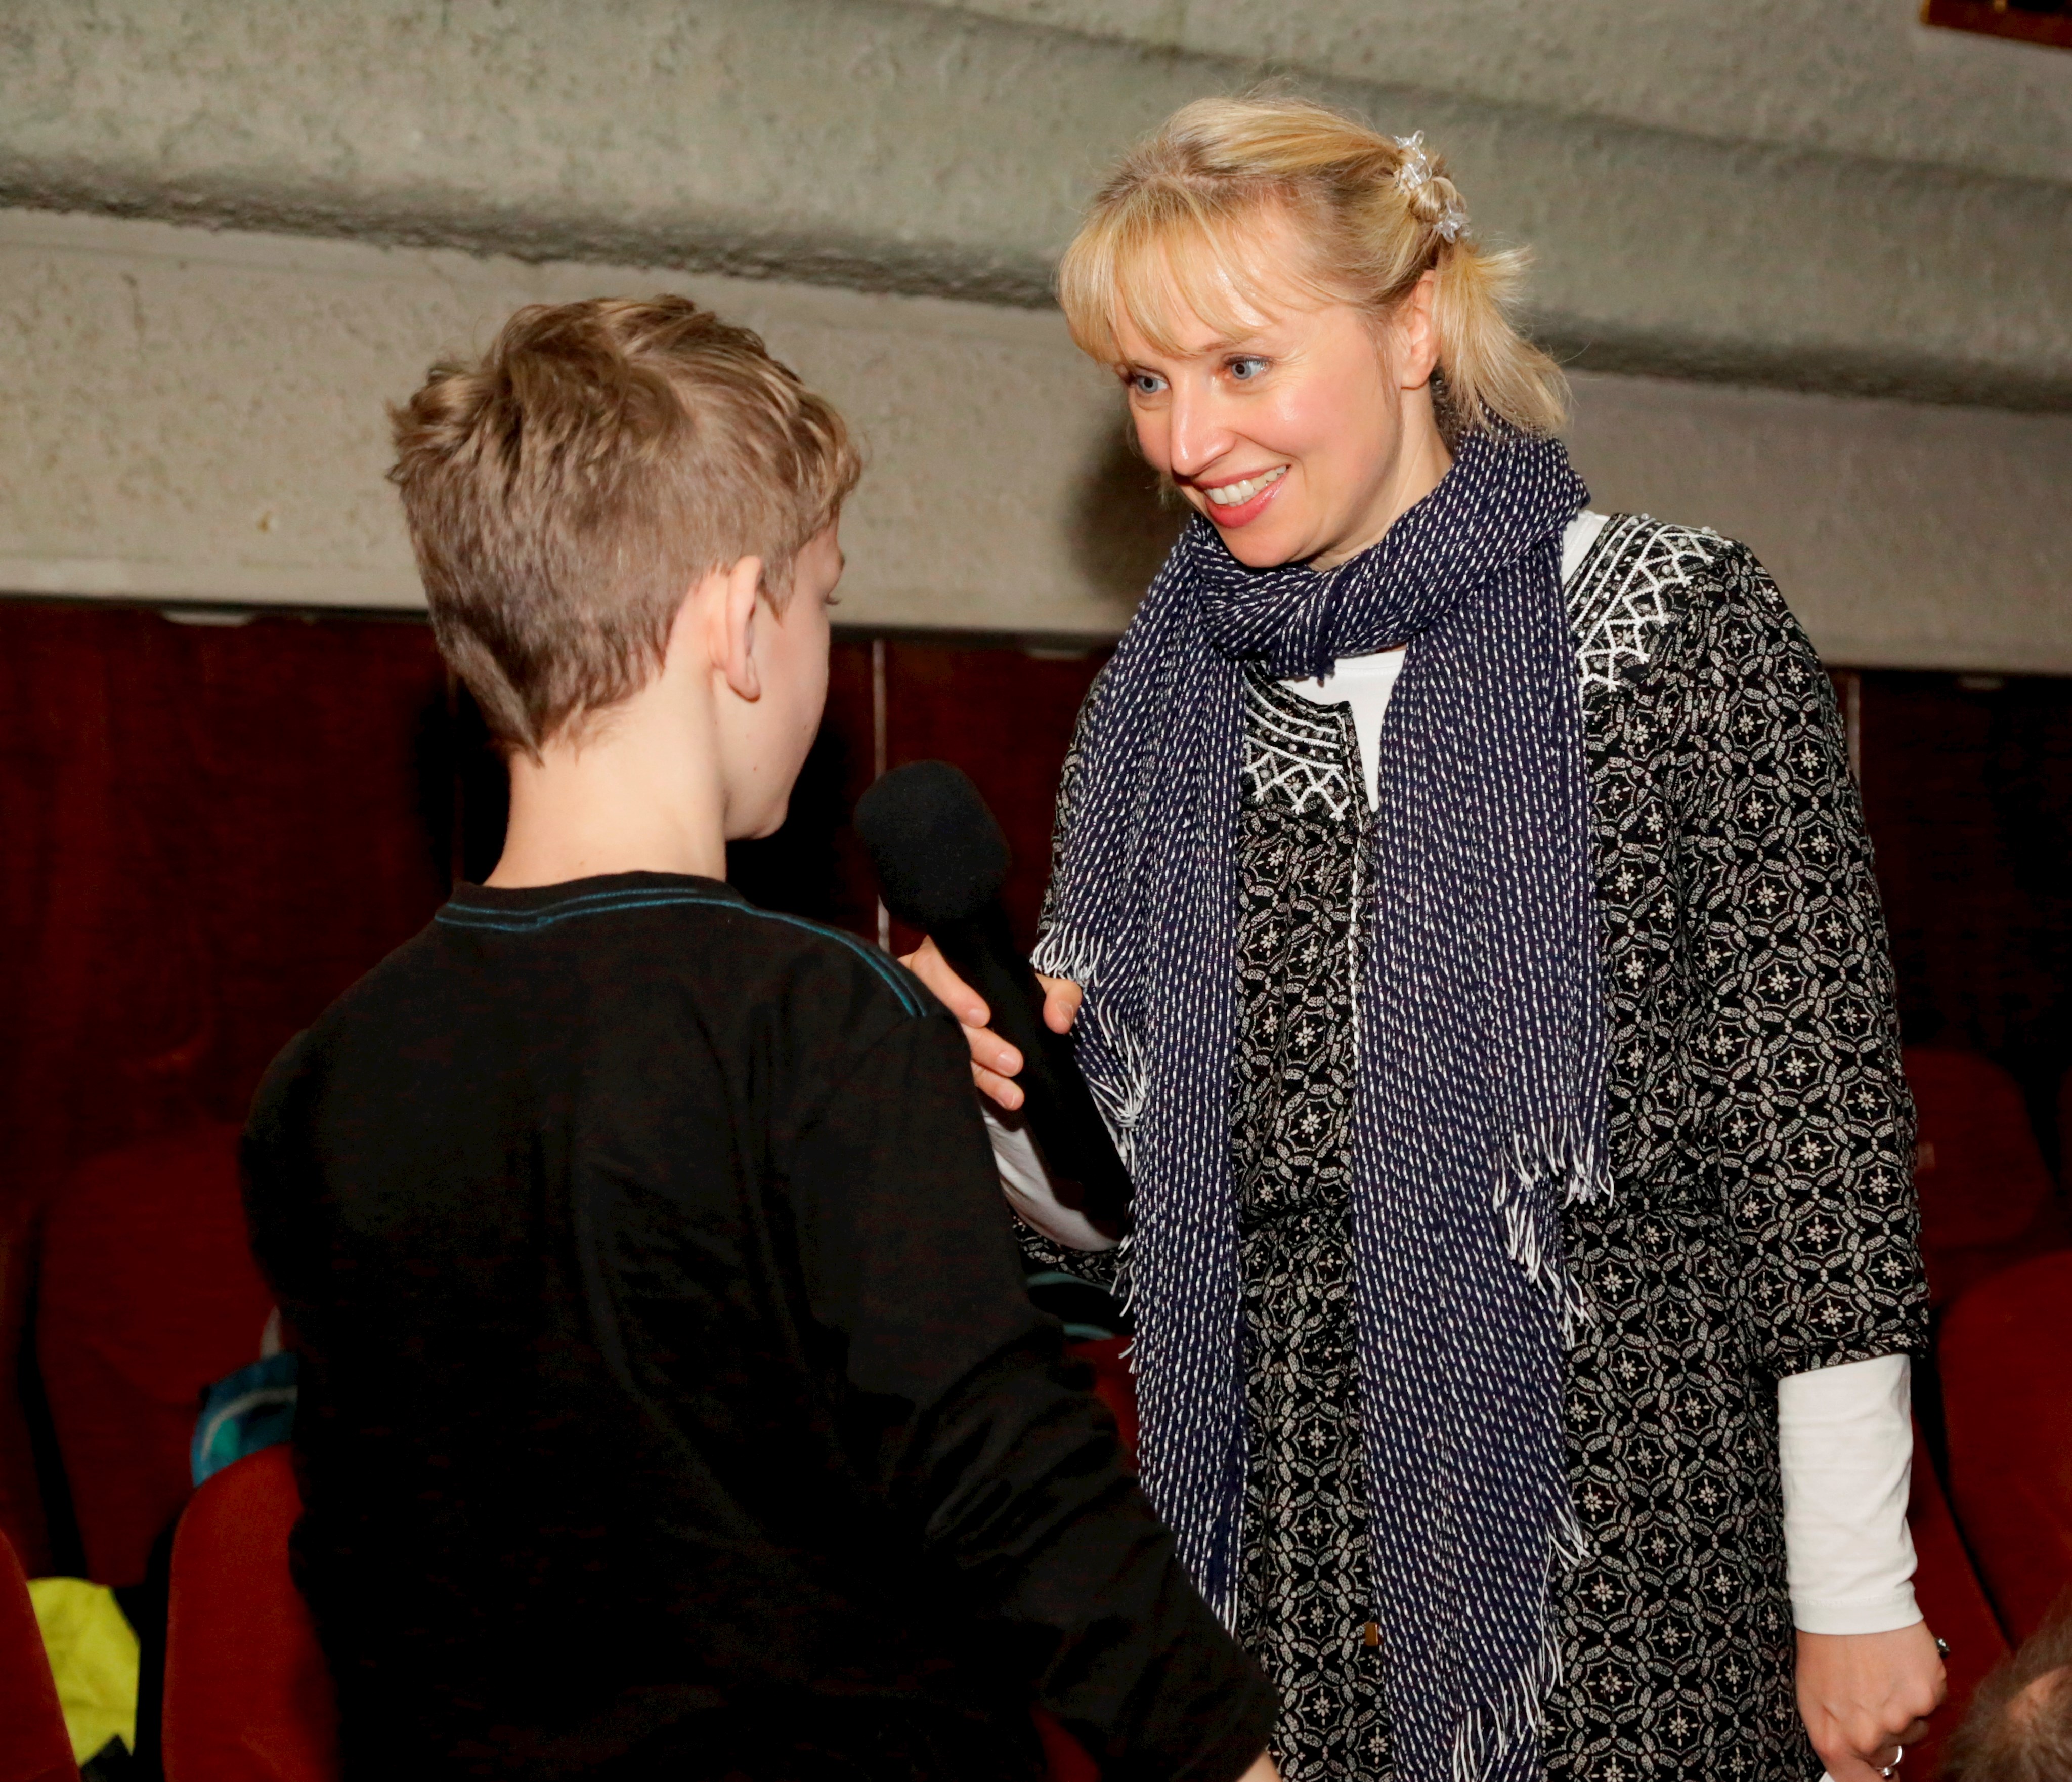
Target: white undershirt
{"points": [[1845, 1435]]}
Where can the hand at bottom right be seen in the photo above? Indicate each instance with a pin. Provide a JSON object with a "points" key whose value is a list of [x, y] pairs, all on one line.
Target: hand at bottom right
{"points": [[1867, 1696]]}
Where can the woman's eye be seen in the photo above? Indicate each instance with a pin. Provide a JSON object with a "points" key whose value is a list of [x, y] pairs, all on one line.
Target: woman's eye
{"points": [[1247, 368], [1145, 383]]}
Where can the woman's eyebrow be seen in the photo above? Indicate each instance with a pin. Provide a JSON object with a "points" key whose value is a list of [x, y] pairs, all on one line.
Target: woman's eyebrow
{"points": [[1253, 340]]}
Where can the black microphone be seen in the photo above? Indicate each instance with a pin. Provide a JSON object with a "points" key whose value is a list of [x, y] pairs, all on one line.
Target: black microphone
{"points": [[941, 860]]}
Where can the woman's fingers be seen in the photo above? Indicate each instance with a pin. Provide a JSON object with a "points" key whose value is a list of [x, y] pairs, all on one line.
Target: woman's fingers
{"points": [[950, 990], [1891, 1755], [1061, 1003], [990, 1052], [1004, 1092], [993, 1061]]}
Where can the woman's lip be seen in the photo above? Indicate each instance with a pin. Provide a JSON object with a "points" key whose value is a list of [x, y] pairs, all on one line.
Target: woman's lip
{"points": [[1243, 515]]}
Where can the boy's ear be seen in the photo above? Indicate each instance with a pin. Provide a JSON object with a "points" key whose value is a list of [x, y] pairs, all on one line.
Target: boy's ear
{"points": [[733, 617]]}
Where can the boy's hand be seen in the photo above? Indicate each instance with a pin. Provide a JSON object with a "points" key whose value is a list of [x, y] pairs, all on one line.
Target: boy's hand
{"points": [[993, 1061], [1865, 1695]]}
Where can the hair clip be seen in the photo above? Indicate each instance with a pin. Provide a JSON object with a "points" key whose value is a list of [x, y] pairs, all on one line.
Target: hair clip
{"points": [[1415, 176]]}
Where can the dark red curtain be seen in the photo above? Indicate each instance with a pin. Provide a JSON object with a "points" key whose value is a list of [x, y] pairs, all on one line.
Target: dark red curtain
{"points": [[210, 831], [206, 833]]}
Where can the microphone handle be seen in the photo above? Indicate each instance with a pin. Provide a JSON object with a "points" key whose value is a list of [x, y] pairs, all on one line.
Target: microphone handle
{"points": [[1057, 1105]]}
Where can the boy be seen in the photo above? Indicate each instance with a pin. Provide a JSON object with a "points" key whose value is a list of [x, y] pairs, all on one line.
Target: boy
{"points": [[671, 1403]]}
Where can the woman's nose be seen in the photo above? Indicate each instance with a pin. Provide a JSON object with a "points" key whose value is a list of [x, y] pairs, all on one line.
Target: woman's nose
{"points": [[1198, 436]]}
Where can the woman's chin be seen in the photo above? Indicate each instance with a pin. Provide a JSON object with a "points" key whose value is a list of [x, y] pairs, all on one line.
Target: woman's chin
{"points": [[1260, 547]]}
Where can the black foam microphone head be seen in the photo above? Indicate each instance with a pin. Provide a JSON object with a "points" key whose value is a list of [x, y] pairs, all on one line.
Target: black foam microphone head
{"points": [[938, 850]]}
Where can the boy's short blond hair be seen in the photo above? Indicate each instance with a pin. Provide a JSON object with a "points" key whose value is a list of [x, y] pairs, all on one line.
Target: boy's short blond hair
{"points": [[567, 493]]}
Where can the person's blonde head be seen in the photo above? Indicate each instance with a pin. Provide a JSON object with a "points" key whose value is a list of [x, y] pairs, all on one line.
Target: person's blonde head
{"points": [[564, 493], [2019, 1726], [1178, 231]]}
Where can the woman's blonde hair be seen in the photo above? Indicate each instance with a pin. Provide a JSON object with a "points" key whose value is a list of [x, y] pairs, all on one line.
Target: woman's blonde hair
{"points": [[1176, 230]]}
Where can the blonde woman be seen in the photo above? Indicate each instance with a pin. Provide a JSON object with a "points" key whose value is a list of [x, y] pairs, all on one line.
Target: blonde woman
{"points": [[1483, 973]]}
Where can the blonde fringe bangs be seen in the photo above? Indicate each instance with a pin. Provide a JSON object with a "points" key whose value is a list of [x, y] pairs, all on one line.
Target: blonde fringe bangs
{"points": [[1167, 257]]}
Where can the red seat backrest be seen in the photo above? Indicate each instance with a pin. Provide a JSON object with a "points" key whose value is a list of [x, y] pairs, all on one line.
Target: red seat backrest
{"points": [[2006, 1354], [146, 1295], [33, 1746], [1114, 1387], [1954, 1604], [1981, 1178], [247, 1697]]}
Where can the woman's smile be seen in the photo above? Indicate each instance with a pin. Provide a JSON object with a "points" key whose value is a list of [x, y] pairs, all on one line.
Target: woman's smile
{"points": [[1239, 501]]}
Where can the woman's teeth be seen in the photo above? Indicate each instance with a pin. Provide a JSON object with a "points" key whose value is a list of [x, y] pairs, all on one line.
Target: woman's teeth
{"points": [[1234, 494]]}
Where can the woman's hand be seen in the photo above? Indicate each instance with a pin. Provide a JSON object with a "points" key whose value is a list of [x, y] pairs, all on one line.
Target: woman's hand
{"points": [[993, 1061], [1865, 1695]]}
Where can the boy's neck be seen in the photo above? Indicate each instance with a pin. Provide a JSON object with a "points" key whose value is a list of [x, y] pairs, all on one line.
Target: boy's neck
{"points": [[641, 795]]}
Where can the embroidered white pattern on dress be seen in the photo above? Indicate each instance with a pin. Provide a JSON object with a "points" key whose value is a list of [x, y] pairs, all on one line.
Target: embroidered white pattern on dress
{"points": [[1289, 754], [1628, 586]]}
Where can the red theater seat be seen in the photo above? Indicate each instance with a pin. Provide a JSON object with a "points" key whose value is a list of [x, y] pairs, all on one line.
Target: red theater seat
{"points": [[1954, 1604], [33, 1744], [1987, 1200], [247, 1697], [146, 1295], [1114, 1386], [2006, 1353]]}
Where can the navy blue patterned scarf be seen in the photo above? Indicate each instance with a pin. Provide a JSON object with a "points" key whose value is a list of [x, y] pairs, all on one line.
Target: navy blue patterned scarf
{"points": [[1481, 1091]]}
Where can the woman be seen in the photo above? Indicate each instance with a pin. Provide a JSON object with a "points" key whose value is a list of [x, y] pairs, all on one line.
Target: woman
{"points": [[1523, 1219]]}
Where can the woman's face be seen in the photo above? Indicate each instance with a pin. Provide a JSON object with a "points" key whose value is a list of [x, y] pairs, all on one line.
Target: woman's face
{"points": [[1303, 436]]}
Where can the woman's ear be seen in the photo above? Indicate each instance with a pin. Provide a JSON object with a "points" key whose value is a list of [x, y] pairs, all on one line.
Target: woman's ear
{"points": [[739, 597], [1414, 354]]}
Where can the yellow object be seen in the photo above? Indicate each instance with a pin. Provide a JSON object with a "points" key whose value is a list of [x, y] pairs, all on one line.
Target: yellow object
{"points": [[93, 1656]]}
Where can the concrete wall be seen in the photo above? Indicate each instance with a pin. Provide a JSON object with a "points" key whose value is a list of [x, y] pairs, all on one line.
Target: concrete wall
{"points": [[1815, 263], [945, 150], [196, 416], [1858, 77]]}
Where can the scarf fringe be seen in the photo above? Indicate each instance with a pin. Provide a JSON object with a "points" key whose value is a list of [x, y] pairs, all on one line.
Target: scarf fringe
{"points": [[1121, 1090], [1554, 1166], [1571, 1543], [1059, 953], [1493, 1728]]}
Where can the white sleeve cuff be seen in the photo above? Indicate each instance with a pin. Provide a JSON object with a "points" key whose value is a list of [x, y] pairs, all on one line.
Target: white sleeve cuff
{"points": [[1026, 1184], [1845, 1448]]}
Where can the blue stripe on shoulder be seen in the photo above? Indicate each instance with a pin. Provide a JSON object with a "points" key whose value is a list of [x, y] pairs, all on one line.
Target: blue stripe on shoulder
{"points": [[461, 916]]}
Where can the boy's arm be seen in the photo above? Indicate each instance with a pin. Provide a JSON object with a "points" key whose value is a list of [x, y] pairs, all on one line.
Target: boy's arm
{"points": [[1009, 1472]]}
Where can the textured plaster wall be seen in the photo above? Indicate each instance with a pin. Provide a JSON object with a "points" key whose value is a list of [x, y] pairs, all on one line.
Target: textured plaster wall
{"points": [[199, 416], [941, 148], [1860, 77], [196, 416], [1903, 535]]}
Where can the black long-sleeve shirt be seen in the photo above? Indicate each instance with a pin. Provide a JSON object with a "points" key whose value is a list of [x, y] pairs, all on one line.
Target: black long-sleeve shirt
{"points": [[671, 1398]]}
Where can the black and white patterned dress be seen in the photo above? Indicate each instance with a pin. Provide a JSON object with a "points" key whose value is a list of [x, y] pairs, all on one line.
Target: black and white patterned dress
{"points": [[1763, 1223]]}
